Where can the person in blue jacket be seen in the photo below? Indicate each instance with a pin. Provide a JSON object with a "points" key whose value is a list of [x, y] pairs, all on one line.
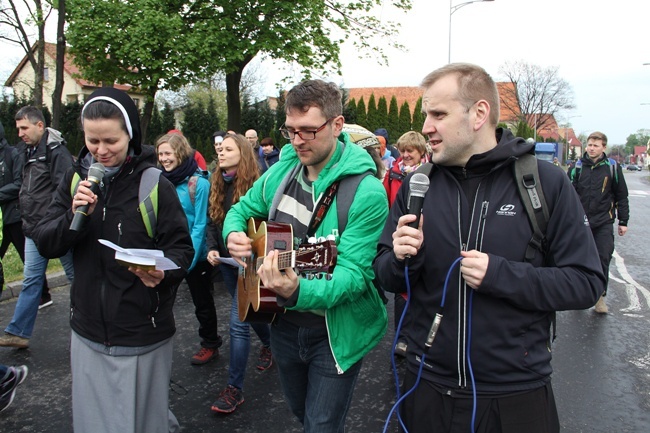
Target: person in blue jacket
{"points": [[175, 156]]}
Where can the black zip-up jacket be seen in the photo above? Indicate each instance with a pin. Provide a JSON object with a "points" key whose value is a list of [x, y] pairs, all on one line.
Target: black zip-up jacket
{"points": [[11, 168], [109, 304], [602, 197], [42, 173], [512, 309]]}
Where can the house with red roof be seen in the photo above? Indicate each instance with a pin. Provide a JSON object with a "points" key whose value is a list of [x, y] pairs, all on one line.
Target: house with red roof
{"points": [[75, 88]]}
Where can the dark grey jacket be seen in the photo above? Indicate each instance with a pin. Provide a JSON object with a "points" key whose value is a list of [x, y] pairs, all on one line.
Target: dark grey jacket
{"points": [[41, 174], [11, 167]]}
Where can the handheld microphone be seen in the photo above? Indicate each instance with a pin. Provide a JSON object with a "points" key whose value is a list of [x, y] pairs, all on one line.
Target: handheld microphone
{"points": [[95, 176], [419, 185]]}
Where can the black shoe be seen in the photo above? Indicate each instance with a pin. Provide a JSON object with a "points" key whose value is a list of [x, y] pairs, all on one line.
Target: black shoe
{"points": [[46, 301], [228, 400]]}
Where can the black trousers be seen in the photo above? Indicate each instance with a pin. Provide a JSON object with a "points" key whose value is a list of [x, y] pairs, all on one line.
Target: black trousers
{"points": [[199, 281], [604, 237], [13, 234], [427, 410]]}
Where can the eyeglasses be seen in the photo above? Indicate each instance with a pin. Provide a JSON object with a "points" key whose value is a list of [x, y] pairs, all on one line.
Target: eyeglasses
{"points": [[305, 135]]}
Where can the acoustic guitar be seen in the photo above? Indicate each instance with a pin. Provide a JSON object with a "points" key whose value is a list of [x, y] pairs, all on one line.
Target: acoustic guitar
{"points": [[255, 302]]}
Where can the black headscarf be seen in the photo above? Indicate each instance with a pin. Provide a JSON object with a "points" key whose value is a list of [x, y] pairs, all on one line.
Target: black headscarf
{"points": [[126, 105]]}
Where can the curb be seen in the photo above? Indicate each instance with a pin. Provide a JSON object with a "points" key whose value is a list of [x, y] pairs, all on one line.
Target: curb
{"points": [[12, 290]]}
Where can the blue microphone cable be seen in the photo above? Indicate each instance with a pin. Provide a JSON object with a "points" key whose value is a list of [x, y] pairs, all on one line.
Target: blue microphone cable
{"points": [[431, 337]]}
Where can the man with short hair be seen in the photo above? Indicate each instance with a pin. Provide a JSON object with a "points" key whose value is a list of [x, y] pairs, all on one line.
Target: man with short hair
{"points": [[46, 161], [479, 343], [251, 136], [330, 324], [600, 183]]}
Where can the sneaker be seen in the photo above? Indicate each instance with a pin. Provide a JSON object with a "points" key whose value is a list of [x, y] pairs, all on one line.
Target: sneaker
{"points": [[400, 348], [601, 306], [15, 376], [45, 302], [265, 360], [205, 355], [9, 340], [228, 400]]}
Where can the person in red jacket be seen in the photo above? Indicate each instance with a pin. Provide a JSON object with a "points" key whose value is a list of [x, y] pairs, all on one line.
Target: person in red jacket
{"points": [[413, 149]]}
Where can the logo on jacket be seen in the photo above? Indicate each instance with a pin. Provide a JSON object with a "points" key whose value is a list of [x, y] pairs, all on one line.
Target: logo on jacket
{"points": [[507, 210], [586, 221]]}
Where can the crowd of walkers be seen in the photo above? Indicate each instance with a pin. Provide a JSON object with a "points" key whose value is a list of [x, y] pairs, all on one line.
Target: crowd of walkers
{"points": [[332, 185]]}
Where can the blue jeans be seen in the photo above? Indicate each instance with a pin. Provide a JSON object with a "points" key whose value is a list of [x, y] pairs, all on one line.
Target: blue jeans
{"points": [[316, 393], [24, 318], [240, 332]]}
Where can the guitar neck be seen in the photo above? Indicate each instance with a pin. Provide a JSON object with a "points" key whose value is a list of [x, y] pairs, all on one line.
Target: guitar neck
{"points": [[286, 259]]}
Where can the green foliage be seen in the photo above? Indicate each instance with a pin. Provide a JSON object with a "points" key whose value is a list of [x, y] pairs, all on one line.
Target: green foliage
{"points": [[199, 123], [362, 114], [259, 117], [280, 117], [8, 109], [640, 138], [392, 121], [70, 127], [382, 114], [404, 122], [350, 112], [372, 114], [418, 116], [524, 130]]}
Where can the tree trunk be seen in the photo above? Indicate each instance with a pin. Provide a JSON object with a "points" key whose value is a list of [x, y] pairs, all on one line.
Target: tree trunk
{"points": [[233, 79], [40, 57], [60, 60], [148, 112]]}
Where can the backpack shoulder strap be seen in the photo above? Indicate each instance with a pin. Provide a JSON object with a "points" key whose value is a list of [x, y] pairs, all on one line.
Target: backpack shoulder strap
{"points": [[148, 199], [74, 183], [191, 188], [613, 170], [530, 191], [344, 197], [425, 169]]}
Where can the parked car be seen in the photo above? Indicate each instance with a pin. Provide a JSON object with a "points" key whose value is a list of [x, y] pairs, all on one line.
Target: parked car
{"points": [[632, 167]]}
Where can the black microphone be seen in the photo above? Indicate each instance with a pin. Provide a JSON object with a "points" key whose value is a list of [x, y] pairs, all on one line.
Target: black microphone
{"points": [[95, 176], [419, 185]]}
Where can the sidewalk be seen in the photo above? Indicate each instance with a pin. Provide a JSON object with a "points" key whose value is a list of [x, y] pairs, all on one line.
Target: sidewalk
{"points": [[12, 290]]}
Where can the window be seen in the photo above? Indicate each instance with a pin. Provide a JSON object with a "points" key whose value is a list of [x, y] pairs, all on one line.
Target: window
{"points": [[46, 74]]}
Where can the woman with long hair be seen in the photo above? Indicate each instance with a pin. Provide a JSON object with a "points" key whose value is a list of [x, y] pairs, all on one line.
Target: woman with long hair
{"points": [[236, 171], [176, 158]]}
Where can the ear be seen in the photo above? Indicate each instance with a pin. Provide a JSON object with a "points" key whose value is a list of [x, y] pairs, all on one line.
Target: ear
{"points": [[337, 125], [481, 114]]}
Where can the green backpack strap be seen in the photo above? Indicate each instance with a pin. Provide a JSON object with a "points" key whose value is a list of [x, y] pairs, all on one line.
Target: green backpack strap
{"points": [[74, 183], [530, 191], [148, 199]]}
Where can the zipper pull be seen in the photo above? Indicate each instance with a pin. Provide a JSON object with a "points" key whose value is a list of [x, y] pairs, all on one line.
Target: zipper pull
{"points": [[484, 208], [153, 321], [119, 228], [104, 214]]}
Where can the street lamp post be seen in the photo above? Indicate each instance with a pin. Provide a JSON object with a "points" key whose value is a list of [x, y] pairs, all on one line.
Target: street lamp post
{"points": [[566, 136], [452, 9]]}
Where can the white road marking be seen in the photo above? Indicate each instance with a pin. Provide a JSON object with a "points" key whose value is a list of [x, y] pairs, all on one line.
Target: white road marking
{"points": [[630, 286]]}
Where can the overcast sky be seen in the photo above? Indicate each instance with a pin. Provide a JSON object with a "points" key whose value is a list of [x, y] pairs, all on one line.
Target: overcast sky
{"points": [[600, 48]]}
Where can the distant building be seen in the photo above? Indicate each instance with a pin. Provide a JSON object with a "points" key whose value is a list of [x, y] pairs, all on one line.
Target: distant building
{"points": [[75, 88]]}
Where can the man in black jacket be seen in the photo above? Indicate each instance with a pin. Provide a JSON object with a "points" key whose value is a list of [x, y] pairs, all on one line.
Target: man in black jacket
{"points": [[11, 178], [46, 161], [600, 183], [488, 367]]}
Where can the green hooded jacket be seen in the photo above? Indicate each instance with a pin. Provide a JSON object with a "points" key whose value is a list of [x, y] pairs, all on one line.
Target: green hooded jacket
{"points": [[354, 313]]}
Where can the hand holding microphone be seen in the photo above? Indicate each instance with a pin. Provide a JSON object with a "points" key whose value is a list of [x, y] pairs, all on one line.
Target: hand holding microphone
{"points": [[406, 240], [81, 212]]}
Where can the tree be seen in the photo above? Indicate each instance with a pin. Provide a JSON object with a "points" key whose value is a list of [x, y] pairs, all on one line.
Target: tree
{"points": [[382, 113], [404, 124], [393, 121], [149, 44], [60, 60], [538, 94], [350, 112], [524, 130], [372, 116], [640, 138], [362, 114], [418, 117], [21, 22]]}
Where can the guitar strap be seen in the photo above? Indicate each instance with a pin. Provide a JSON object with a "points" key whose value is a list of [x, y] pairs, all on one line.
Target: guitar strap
{"points": [[321, 209]]}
